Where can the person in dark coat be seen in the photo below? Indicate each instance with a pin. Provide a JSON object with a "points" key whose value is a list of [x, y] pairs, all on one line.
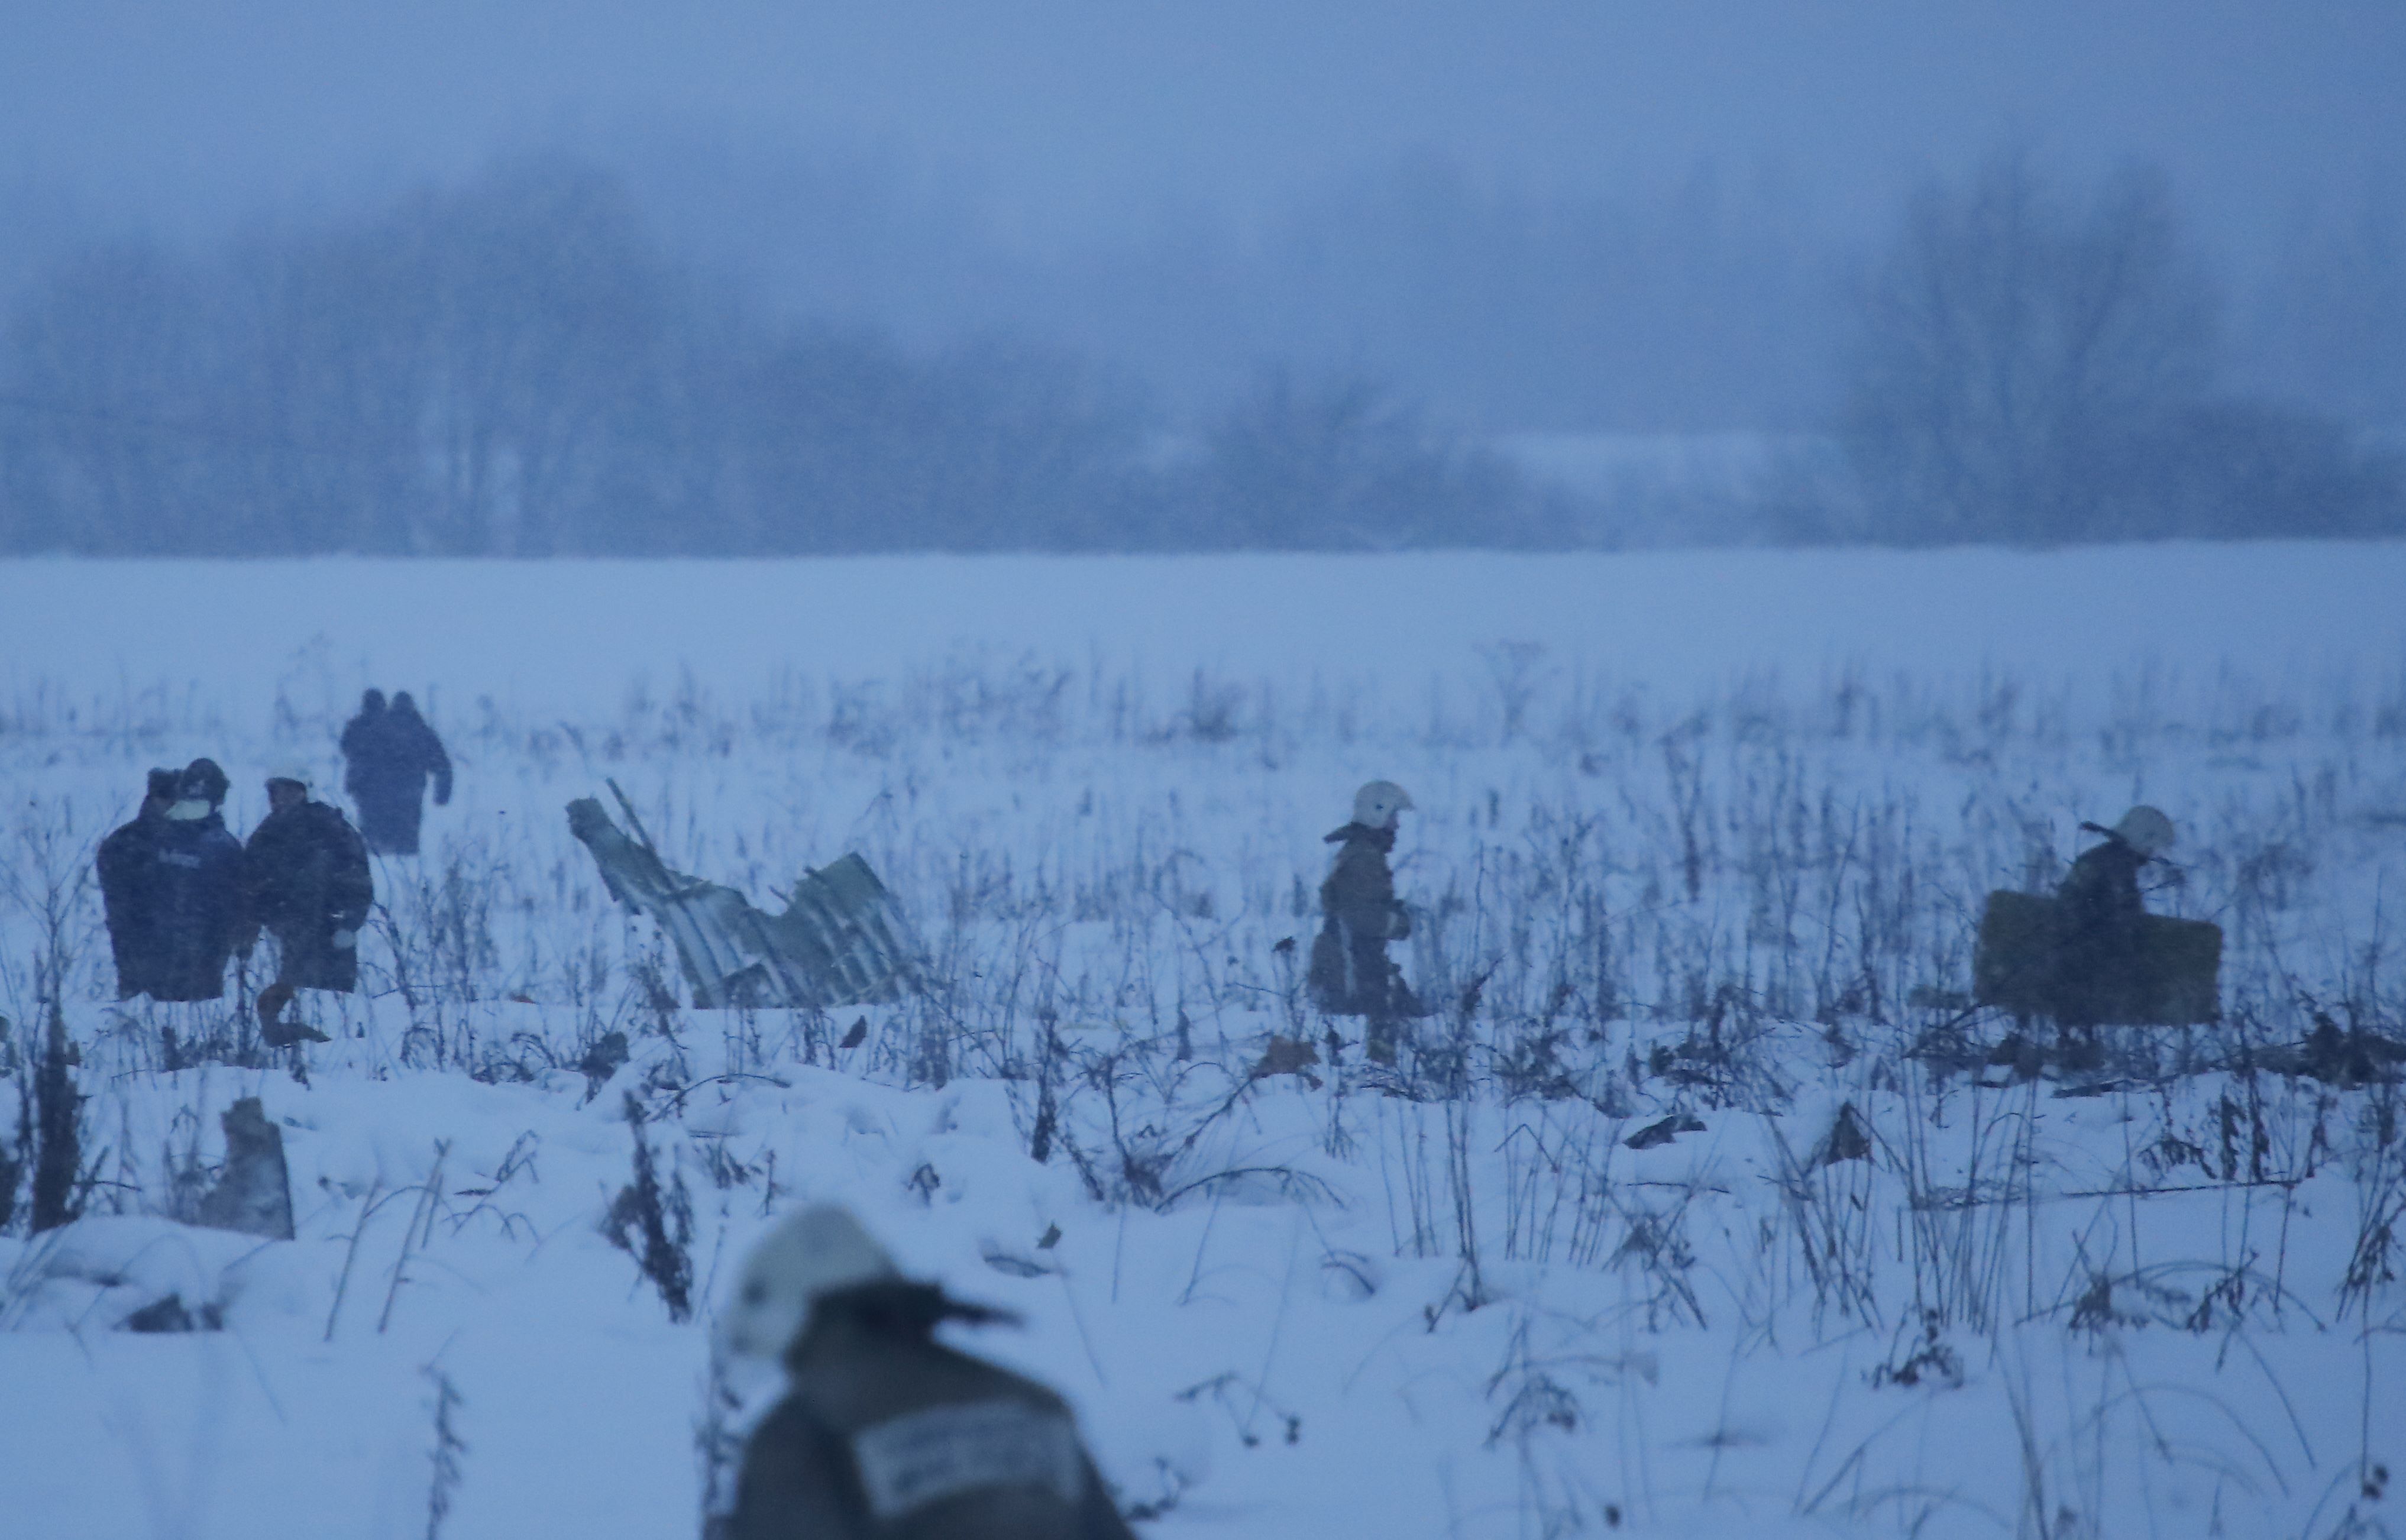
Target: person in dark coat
{"points": [[2098, 912], [121, 863], [305, 879], [358, 734], [389, 753], [886, 1434], [192, 895], [1351, 974]]}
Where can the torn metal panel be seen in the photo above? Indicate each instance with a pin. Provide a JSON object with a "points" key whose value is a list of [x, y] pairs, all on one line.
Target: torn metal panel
{"points": [[841, 940]]}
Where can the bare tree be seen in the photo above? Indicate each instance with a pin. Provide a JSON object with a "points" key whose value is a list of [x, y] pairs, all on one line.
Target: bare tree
{"points": [[2012, 343]]}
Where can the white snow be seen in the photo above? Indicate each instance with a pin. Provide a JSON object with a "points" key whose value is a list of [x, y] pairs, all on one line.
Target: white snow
{"points": [[1281, 1308]]}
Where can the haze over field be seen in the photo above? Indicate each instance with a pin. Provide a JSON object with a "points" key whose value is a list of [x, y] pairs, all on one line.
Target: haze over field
{"points": [[1131, 227], [1851, 551]]}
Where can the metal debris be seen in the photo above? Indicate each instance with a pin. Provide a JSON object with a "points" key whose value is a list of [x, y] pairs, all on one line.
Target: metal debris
{"points": [[841, 940]]}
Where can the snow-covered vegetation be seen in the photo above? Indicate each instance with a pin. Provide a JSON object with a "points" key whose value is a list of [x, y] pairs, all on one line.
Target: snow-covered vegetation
{"points": [[1702, 1205]]}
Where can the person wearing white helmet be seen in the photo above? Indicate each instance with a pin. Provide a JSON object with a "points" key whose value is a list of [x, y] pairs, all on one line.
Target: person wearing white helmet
{"points": [[885, 1431], [306, 878], [1351, 974], [2099, 909]]}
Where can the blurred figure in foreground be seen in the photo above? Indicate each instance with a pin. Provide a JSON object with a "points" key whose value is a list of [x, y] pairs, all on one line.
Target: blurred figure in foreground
{"points": [[121, 862], [886, 1433], [389, 751], [304, 878], [1351, 975]]}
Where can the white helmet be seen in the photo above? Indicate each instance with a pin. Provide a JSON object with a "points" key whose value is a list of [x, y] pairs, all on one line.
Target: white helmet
{"points": [[815, 1253], [2147, 830], [296, 773], [1375, 805]]}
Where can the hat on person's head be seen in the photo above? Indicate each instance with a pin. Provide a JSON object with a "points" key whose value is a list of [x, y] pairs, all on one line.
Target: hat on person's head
{"points": [[2147, 830], [813, 1253], [198, 791], [299, 774], [1375, 805], [372, 701], [402, 701], [162, 785], [202, 780]]}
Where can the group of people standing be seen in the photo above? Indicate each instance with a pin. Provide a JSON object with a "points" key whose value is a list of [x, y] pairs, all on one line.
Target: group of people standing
{"points": [[183, 897]]}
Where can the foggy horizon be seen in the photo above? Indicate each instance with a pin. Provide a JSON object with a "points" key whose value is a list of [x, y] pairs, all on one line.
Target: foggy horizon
{"points": [[1065, 125], [1537, 219]]}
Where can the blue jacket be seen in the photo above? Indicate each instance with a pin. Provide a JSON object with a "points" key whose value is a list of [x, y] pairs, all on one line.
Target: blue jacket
{"points": [[187, 909]]}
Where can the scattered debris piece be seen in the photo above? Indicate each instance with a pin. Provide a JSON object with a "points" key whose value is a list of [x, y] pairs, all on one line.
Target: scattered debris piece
{"points": [[605, 1058], [254, 1196], [1013, 1266], [2341, 1057], [1664, 1132], [1849, 1139], [169, 1315], [841, 940], [1289, 1056]]}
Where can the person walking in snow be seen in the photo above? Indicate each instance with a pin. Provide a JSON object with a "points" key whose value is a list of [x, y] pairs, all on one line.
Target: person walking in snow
{"points": [[389, 753], [192, 892], [886, 1433], [359, 738], [1350, 974], [2098, 912], [305, 879], [121, 863]]}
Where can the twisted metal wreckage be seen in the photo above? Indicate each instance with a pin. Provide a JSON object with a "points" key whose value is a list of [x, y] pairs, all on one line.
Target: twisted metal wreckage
{"points": [[841, 939]]}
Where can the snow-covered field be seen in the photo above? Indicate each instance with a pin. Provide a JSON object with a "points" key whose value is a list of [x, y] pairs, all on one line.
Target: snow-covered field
{"points": [[1702, 836]]}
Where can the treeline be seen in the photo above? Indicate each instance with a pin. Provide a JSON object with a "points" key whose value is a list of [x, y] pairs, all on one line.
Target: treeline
{"points": [[522, 366], [2036, 362], [517, 369]]}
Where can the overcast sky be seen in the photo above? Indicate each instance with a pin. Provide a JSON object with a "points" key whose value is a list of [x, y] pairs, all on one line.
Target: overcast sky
{"points": [[1071, 118]]}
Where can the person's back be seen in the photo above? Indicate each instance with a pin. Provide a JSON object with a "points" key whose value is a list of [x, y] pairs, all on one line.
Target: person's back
{"points": [[302, 868], [2099, 909], [390, 752], [890, 1433], [885, 1432]]}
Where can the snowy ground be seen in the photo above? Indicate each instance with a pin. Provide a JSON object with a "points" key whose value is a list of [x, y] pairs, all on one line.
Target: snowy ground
{"points": [[1709, 832]]}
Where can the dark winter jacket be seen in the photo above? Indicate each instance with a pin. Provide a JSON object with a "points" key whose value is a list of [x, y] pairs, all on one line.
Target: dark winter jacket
{"points": [[2098, 914], [1351, 975], [388, 755], [888, 1434], [2099, 895], [304, 876], [121, 862], [193, 906]]}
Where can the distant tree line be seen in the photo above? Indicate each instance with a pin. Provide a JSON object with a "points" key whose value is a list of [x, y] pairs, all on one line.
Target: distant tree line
{"points": [[2037, 363], [520, 367], [515, 368]]}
